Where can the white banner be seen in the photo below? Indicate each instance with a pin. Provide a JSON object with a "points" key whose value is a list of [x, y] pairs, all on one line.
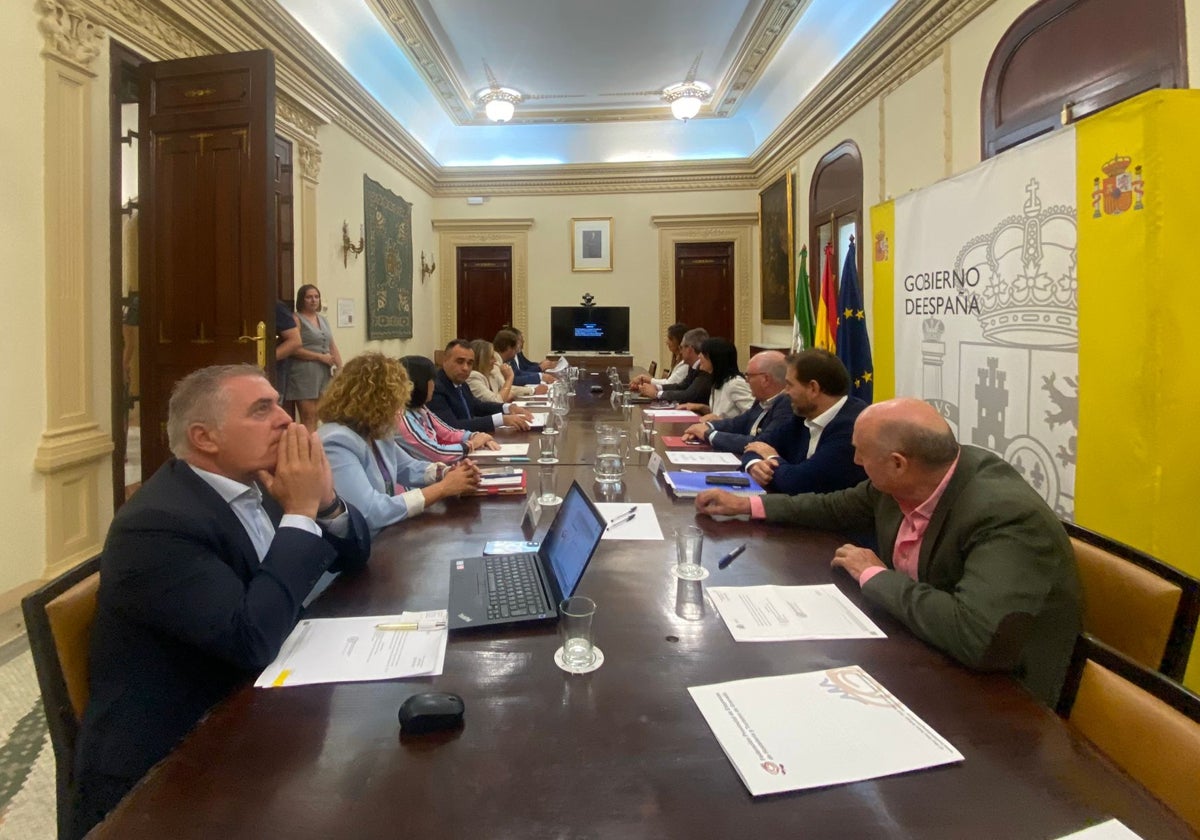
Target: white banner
{"points": [[987, 309]]}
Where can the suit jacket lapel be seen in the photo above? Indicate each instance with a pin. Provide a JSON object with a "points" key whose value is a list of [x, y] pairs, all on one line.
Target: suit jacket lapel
{"points": [[228, 526], [962, 474]]}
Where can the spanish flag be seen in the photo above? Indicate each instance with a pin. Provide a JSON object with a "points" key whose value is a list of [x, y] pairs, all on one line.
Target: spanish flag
{"points": [[827, 306]]}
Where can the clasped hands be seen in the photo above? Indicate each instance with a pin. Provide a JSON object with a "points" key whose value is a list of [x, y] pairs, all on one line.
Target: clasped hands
{"points": [[302, 481]]}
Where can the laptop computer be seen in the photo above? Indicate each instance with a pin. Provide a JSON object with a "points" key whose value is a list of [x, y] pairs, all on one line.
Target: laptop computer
{"points": [[488, 591]]}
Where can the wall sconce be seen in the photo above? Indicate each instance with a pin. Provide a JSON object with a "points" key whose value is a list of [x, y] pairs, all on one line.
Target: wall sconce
{"points": [[427, 268], [349, 247]]}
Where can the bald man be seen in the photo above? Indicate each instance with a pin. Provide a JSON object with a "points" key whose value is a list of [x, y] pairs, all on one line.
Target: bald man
{"points": [[765, 374], [974, 562]]}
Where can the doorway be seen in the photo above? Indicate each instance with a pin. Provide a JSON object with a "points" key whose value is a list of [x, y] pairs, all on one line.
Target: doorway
{"points": [[704, 295], [484, 290]]}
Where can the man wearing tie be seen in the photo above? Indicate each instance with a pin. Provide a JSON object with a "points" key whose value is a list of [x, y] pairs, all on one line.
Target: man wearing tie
{"points": [[812, 453], [203, 575], [765, 375], [454, 403]]}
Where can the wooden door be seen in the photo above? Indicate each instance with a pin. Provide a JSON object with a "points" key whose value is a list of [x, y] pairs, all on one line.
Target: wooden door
{"points": [[207, 237], [285, 239], [484, 290], [704, 286]]}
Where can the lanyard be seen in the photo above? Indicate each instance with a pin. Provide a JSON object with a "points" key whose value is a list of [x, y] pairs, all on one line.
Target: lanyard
{"points": [[388, 484]]}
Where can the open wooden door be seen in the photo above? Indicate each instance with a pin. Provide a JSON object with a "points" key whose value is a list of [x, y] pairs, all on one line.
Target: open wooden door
{"points": [[207, 239]]}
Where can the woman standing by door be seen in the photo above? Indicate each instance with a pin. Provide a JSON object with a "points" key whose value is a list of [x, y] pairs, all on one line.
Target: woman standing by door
{"points": [[315, 362]]}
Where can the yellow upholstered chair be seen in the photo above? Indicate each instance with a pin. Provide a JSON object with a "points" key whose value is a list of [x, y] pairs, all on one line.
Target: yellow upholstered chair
{"points": [[1144, 608], [1146, 723], [58, 619]]}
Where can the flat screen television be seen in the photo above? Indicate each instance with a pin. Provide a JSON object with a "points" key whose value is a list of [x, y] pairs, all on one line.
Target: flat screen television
{"points": [[589, 329]]}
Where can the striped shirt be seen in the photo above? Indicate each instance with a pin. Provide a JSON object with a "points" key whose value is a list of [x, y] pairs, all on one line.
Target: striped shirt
{"points": [[425, 436]]}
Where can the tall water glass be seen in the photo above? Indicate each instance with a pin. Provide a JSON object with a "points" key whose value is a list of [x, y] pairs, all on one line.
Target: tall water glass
{"points": [[548, 446], [575, 616], [546, 495], [689, 545]]}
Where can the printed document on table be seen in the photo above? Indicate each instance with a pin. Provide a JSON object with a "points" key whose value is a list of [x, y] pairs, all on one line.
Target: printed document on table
{"points": [[325, 650], [509, 449], [643, 526], [702, 459], [791, 613], [1109, 830], [800, 731], [538, 419]]}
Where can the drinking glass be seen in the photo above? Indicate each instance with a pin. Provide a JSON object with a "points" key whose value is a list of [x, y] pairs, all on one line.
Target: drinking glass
{"points": [[548, 446], [689, 545], [575, 628], [645, 439], [546, 495]]}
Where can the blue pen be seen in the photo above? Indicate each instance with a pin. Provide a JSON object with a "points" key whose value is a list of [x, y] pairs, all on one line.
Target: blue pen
{"points": [[513, 459], [731, 556]]}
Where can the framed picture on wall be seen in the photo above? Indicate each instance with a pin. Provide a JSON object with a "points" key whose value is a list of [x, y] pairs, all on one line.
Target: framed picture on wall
{"points": [[591, 244], [777, 250]]}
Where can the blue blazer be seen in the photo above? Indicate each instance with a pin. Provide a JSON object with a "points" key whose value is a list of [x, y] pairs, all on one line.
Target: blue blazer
{"points": [[523, 375], [458, 407], [735, 431], [831, 466], [185, 614]]}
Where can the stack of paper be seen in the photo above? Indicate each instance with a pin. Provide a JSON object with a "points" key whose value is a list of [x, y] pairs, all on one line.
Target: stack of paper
{"points": [[801, 731], [506, 449], [491, 485], [671, 415], [790, 613], [379, 647], [703, 459]]}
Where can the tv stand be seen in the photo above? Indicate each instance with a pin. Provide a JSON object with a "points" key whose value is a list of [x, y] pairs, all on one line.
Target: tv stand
{"points": [[621, 361]]}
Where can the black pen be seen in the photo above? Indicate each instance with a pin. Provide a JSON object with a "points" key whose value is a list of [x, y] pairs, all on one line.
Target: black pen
{"points": [[623, 518], [731, 556]]}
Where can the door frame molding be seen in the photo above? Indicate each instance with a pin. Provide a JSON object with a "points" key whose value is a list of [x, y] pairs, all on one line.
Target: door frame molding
{"points": [[453, 233], [737, 228]]}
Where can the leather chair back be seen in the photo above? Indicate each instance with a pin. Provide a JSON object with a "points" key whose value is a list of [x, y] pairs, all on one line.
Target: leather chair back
{"points": [[653, 369], [58, 619], [1144, 722], [1135, 603]]}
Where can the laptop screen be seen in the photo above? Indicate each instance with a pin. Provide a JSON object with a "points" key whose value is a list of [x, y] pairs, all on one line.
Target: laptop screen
{"points": [[573, 536]]}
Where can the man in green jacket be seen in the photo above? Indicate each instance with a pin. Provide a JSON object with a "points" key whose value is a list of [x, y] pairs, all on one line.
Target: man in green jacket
{"points": [[973, 560]]}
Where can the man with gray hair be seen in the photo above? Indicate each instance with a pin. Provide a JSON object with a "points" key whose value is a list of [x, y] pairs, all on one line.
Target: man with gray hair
{"points": [[972, 560], [766, 374], [696, 387], [203, 575]]}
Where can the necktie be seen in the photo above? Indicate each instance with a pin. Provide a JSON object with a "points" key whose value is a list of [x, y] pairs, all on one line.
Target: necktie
{"points": [[462, 395]]}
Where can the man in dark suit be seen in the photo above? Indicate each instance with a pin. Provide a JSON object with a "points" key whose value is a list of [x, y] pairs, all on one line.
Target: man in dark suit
{"points": [[526, 372], [696, 387], [765, 374], [203, 575], [454, 403], [971, 558], [507, 346], [812, 453]]}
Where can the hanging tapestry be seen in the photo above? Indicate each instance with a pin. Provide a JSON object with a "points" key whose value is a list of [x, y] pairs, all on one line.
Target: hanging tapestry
{"points": [[388, 233]]}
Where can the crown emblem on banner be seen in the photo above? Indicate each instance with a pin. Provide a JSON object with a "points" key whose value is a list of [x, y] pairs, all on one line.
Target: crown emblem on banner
{"points": [[1024, 274], [1116, 166]]}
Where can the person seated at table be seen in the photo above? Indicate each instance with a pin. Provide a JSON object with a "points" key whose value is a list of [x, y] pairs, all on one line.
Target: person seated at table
{"points": [[203, 574], [696, 386], [813, 452], [492, 379], [525, 372], [730, 394], [421, 433], [370, 469], [765, 375], [973, 560], [679, 368], [454, 403]]}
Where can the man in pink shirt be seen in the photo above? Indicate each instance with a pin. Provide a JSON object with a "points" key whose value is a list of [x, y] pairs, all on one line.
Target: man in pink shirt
{"points": [[971, 558]]}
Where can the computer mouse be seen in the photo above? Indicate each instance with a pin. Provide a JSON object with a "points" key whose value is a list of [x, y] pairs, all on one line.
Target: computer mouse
{"points": [[431, 711]]}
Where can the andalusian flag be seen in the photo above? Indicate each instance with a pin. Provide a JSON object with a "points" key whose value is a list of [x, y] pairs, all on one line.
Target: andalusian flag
{"points": [[853, 344], [802, 320], [827, 306]]}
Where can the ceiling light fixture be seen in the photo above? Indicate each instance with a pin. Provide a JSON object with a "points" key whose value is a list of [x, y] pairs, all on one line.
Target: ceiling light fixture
{"points": [[686, 97], [499, 103]]}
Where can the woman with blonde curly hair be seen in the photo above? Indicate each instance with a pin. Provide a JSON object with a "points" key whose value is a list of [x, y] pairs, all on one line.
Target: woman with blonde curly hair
{"points": [[492, 380], [370, 470]]}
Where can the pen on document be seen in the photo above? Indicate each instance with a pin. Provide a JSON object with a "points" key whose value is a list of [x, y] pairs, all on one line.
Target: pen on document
{"points": [[412, 625], [624, 517], [731, 556]]}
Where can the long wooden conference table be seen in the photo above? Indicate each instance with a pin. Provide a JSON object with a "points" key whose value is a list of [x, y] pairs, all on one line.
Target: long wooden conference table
{"points": [[622, 752]]}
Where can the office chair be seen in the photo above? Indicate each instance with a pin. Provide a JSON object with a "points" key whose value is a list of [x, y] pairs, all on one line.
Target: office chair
{"points": [[652, 369], [58, 619], [1139, 605], [1147, 724]]}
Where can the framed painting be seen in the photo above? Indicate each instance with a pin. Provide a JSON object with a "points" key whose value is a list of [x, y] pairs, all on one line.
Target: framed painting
{"points": [[591, 244], [777, 250]]}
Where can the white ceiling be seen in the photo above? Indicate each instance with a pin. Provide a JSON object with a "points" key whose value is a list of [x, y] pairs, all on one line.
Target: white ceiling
{"points": [[590, 70]]}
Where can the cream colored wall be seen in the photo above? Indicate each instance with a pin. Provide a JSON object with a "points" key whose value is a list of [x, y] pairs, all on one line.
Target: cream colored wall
{"points": [[340, 198], [634, 279], [23, 339]]}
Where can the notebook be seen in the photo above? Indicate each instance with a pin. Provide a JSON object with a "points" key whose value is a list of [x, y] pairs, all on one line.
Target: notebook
{"points": [[512, 589], [688, 485]]}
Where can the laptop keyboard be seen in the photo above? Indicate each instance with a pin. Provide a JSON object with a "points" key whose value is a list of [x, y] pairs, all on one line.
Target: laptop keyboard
{"points": [[513, 586]]}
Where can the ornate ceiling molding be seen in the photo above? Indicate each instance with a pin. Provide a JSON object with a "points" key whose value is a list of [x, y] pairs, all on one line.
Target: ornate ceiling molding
{"points": [[453, 225], [70, 35], [704, 220], [771, 27], [670, 176]]}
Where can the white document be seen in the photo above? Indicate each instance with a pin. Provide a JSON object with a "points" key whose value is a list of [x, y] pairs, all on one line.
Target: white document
{"points": [[672, 415], [533, 402], [508, 449], [703, 459], [791, 613], [538, 420], [1110, 830], [325, 650], [561, 365], [641, 526], [800, 731]]}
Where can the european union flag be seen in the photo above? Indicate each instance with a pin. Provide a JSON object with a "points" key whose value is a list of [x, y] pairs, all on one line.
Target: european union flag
{"points": [[853, 345]]}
